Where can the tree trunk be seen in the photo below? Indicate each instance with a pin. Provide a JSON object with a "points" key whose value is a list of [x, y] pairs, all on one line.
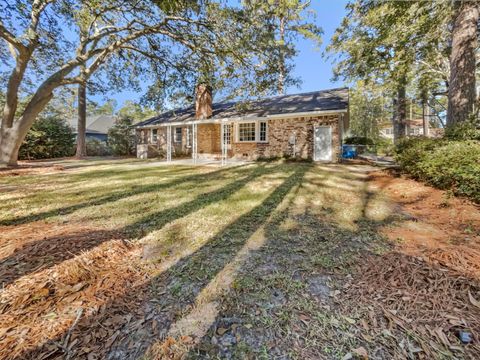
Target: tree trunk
{"points": [[281, 64], [11, 137], [425, 117], [9, 146], [82, 121], [400, 112], [462, 91]]}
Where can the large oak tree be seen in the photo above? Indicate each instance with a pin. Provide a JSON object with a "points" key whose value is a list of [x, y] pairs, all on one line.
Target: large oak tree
{"points": [[49, 44]]}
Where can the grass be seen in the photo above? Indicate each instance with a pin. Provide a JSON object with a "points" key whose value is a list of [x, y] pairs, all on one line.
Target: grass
{"points": [[259, 251]]}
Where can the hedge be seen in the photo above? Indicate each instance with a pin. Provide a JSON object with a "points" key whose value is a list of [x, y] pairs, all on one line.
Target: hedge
{"points": [[446, 164], [49, 137]]}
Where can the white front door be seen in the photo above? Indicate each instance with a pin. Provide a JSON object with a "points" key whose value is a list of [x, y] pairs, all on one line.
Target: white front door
{"points": [[322, 143]]}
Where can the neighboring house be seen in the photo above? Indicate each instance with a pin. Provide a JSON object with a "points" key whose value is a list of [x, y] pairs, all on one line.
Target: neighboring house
{"points": [[309, 125], [414, 128], [97, 126]]}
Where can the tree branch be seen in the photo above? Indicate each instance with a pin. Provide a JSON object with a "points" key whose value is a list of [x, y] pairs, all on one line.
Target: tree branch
{"points": [[10, 38]]}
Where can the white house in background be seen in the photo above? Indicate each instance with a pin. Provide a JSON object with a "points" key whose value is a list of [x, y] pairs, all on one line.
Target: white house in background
{"points": [[414, 128]]}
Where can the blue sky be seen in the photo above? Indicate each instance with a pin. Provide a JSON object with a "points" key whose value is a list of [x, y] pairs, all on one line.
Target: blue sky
{"points": [[314, 71]]}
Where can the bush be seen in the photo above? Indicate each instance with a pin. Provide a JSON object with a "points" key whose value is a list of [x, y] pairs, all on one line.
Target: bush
{"points": [[385, 147], [49, 137], [97, 147], [467, 130], [121, 137], [446, 164], [358, 140]]}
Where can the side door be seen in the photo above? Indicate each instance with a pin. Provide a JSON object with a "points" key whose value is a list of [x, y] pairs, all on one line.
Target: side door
{"points": [[322, 143]]}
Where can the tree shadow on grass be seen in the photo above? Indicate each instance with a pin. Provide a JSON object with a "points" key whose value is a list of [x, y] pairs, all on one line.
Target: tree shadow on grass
{"points": [[50, 251], [171, 293], [138, 190], [283, 303], [282, 291]]}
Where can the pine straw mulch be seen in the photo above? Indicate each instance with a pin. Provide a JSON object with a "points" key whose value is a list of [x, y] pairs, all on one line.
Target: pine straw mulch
{"points": [[53, 303], [31, 169], [416, 299], [415, 309], [28, 248]]}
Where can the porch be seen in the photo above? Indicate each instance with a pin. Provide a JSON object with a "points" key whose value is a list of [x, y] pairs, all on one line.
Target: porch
{"points": [[316, 138], [193, 143]]}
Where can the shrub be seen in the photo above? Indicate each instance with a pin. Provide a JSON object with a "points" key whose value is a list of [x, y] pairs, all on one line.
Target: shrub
{"points": [[446, 164], [358, 140], [467, 130], [97, 147], [121, 137], [385, 147], [49, 137]]}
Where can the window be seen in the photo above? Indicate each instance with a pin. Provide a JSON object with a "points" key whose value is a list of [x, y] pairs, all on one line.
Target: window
{"points": [[414, 131], [154, 135], [246, 132], [227, 133], [178, 135], [263, 131]]}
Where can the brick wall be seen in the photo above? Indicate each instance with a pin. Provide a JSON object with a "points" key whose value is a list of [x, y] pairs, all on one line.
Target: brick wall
{"points": [[279, 133], [208, 137]]}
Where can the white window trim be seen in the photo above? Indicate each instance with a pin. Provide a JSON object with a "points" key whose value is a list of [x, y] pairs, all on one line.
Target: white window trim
{"points": [[175, 140], [266, 131], [231, 128], [257, 131], [188, 137], [151, 136], [237, 132]]}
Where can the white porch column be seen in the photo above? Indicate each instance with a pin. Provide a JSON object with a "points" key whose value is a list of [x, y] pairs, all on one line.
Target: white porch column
{"points": [[169, 143], [194, 143], [224, 145]]}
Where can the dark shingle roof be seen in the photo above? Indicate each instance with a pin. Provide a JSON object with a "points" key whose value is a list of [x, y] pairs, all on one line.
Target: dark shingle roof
{"points": [[97, 124], [324, 100]]}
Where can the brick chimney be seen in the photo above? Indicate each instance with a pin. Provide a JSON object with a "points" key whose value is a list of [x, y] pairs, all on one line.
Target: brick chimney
{"points": [[203, 102]]}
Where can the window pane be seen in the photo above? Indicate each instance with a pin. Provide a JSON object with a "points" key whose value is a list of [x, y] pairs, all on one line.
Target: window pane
{"points": [[154, 135], [263, 131], [227, 130], [246, 132], [178, 134]]}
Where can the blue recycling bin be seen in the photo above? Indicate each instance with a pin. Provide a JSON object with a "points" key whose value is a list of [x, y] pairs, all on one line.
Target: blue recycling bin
{"points": [[349, 152]]}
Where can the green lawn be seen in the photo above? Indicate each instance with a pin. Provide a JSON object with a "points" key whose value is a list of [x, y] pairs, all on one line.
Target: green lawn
{"points": [[155, 261]]}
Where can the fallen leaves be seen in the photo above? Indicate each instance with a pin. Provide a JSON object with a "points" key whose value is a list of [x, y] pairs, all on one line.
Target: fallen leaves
{"points": [[421, 303], [55, 301], [171, 348], [473, 301], [361, 352]]}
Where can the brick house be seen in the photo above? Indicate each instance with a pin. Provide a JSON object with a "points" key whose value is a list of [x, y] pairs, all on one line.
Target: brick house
{"points": [[308, 125]]}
